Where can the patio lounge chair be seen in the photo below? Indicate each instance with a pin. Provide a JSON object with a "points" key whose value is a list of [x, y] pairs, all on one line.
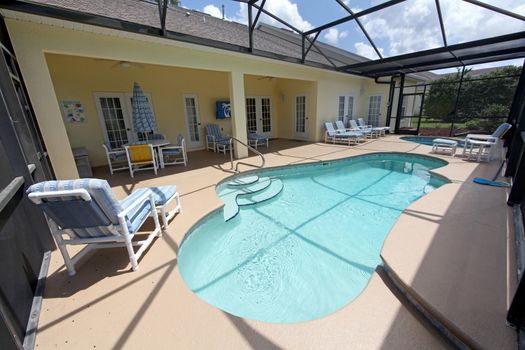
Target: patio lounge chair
{"points": [[334, 136], [116, 157], [484, 145], [342, 130], [214, 138], [174, 154], [85, 211], [255, 140], [139, 157], [381, 130], [368, 132]]}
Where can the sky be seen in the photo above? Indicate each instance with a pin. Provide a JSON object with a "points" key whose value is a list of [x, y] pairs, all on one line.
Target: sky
{"points": [[403, 28]]}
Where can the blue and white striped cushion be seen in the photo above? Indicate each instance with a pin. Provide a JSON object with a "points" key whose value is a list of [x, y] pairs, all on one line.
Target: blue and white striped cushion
{"points": [[99, 190], [252, 136]]}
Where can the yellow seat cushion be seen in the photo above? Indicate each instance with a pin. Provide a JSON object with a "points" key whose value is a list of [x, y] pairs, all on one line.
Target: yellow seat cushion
{"points": [[140, 154]]}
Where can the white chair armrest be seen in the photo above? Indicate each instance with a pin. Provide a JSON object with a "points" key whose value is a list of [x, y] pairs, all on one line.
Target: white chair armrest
{"points": [[147, 195], [117, 151]]}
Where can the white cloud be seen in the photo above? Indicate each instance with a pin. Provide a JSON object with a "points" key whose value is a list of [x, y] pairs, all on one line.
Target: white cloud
{"points": [[333, 35], [284, 9], [212, 10], [366, 50], [414, 25]]}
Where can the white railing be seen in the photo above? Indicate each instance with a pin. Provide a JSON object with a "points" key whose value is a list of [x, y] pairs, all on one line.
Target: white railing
{"points": [[236, 169]]}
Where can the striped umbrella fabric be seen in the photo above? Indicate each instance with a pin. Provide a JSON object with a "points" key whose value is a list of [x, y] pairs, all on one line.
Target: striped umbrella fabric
{"points": [[143, 119]]}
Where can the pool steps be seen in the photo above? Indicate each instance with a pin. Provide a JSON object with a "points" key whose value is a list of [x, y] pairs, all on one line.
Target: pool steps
{"points": [[248, 190], [273, 190], [242, 181]]}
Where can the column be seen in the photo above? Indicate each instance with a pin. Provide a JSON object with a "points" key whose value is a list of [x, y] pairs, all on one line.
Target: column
{"points": [[33, 65], [238, 111]]}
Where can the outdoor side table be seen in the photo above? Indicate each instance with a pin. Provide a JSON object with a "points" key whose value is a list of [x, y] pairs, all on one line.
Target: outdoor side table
{"points": [[444, 145], [82, 161]]}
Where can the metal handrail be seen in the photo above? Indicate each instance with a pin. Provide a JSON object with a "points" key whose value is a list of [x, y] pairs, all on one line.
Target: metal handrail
{"points": [[236, 170]]}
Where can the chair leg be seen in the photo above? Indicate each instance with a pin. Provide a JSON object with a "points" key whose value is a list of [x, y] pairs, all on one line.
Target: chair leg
{"points": [[67, 259], [62, 247], [131, 252]]}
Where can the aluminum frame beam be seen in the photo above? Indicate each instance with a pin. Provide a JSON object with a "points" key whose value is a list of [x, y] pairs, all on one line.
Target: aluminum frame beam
{"points": [[393, 64]]}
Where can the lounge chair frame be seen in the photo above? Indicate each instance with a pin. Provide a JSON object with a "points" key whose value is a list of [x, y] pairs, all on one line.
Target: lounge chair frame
{"points": [[121, 236]]}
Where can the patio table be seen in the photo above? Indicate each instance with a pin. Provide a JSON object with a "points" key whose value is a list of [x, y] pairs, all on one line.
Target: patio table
{"points": [[157, 144]]}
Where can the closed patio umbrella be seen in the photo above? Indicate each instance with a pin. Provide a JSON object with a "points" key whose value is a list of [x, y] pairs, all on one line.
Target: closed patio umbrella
{"points": [[143, 119]]}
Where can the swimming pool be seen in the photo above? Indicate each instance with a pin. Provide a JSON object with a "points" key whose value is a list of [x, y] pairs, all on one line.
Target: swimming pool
{"points": [[311, 249], [427, 140]]}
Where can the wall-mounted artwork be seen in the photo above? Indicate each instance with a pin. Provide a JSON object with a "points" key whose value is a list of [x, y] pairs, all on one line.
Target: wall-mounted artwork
{"points": [[73, 112], [223, 110]]}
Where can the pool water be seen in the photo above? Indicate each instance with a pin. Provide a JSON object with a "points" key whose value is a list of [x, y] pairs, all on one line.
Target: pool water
{"points": [[428, 140], [312, 249]]}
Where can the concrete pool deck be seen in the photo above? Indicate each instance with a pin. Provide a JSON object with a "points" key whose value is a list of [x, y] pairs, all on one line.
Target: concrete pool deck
{"points": [[453, 249]]}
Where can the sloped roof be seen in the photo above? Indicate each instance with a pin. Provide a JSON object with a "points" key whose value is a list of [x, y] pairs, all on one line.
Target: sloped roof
{"points": [[142, 16], [198, 24]]}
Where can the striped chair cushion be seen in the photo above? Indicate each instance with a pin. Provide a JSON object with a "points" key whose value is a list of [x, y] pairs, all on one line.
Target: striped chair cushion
{"points": [[214, 130], [161, 194], [252, 136], [99, 191]]}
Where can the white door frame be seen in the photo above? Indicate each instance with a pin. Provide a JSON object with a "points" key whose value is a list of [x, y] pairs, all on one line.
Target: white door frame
{"points": [[301, 135], [192, 144], [368, 109], [345, 105], [125, 111], [258, 114]]}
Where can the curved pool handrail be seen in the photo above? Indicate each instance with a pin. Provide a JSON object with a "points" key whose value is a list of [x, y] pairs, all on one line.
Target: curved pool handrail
{"points": [[236, 170]]}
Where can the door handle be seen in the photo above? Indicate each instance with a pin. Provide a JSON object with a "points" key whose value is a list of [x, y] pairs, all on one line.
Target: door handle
{"points": [[128, 129]]}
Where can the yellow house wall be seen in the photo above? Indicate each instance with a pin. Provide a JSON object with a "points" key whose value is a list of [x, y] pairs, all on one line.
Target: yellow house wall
{"points": [[167, 85], [255, 85], [288, 90], [328, 94], [369, 88], [32, 40]]}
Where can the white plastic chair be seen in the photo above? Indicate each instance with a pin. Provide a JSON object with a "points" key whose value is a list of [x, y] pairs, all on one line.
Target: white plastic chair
{"points": [[368, 132], [85, 212], [174, 154], [482, 146], [139, 157], [117, 159], [379, 129]]}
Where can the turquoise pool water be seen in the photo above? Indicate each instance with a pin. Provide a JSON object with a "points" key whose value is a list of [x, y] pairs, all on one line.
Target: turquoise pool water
{"points": [[427, 140], [312, 249]]}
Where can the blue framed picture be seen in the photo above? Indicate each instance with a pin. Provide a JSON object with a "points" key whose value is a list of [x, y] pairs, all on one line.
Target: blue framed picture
{"points": [[223, 109]]}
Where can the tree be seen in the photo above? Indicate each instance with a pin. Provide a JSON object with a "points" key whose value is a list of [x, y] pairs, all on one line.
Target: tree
{"points": [[482, 104]]}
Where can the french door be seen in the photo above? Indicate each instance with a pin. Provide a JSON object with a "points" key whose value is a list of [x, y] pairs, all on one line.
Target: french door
{"points": [[193, 123], [114, 111], [116, 117], [345, 106], [374, 109], [259, 115], [300, 117]]}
